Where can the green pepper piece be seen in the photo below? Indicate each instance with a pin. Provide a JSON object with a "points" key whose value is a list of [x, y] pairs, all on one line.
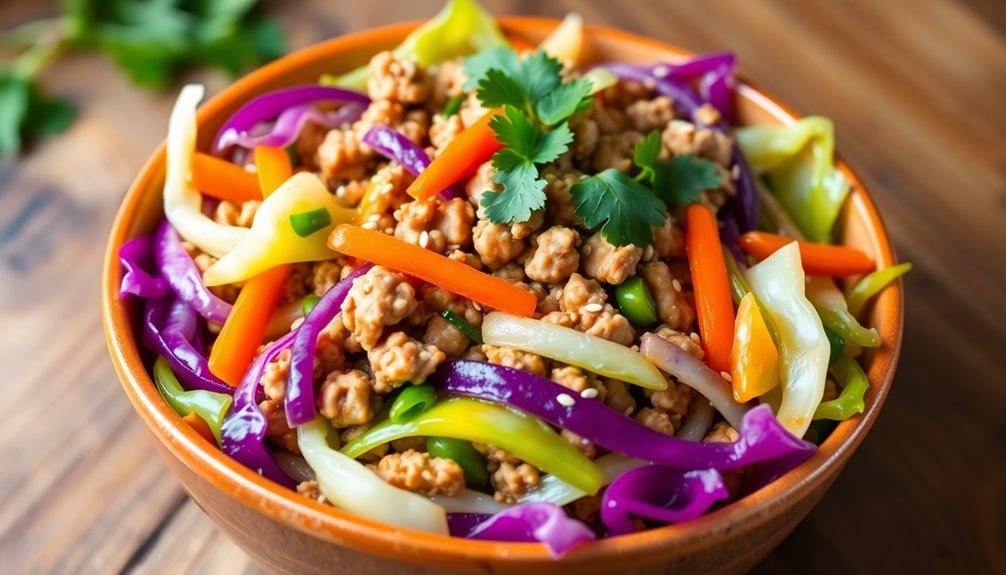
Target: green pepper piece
{"points": [[307, 304], [871, 285], [837, 343], [210, 406], [635, 302], [463, 326], [412, 401], [472, 463], [305, 224], [854, 384], [453, 106], [527, 437]]}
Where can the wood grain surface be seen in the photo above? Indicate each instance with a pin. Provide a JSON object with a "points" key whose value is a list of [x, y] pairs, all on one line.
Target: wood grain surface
{"points": [[916, 90]]}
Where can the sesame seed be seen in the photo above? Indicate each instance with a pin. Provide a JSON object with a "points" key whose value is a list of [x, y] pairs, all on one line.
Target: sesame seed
{"points": [[251, 168], [477, 306], [736, 171], [676, 284], [565, 399], [424, 239], [628, 411], [369, 225], [648, 253], [373, 217], [558, 293], [695, 337], [296, 323], [389, 231], [592, 308], [661, 71], [586, 251], [726, 377], [589, 393]]}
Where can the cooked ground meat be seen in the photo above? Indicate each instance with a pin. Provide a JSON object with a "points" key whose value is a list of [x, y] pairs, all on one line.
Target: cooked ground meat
{"points": [[555, 257], [515, 358], [607, 263], [345, 398], [400, 359], [418, 472], [511, 481], [379, 298]]}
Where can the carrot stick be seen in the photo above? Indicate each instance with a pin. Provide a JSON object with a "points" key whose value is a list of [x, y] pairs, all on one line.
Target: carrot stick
{"points": [[453, 276], [466, 152], [818, 259], [245, 327], [202, 428], [224, 180], [713, 305]]}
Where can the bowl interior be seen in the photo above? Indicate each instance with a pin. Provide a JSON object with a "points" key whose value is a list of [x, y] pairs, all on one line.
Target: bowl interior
{"points": [[141, 209]]}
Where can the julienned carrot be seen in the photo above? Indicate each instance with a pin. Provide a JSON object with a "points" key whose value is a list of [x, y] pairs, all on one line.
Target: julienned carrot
{"points": [[200, 426], [273, 166], [818, 259], [223, 180], [714, 307], [246, 325], [466, 152], [453, 276]]}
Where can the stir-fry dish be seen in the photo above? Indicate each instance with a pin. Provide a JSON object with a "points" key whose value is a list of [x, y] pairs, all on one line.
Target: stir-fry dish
{"points": [[483, 288]]}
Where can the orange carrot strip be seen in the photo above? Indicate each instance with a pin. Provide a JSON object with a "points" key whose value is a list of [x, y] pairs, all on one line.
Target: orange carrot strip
{"points": [[223, 180], [453, 276], [521, 45], [818, 259], [274, 168], [467, 151], [246, 325], [713, 306], [202, 428]]}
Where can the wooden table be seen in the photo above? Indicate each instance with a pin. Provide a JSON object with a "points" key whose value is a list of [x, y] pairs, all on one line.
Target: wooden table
{"points": [[916, 90]]}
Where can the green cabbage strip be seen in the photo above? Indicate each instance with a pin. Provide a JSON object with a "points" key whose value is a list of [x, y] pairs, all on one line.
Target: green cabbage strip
{"points": [[351, 486], [799, 162], [183, 204], [526, 437], [210, 406], [778, 283], [871, 285], [854, 383], [830, 304], [461, 27]]}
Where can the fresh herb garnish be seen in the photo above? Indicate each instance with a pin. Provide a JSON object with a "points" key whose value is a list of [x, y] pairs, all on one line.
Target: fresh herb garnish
{"points": [[151, 42], [533, 129], [680, 180], [626, 207], [453, 106]]}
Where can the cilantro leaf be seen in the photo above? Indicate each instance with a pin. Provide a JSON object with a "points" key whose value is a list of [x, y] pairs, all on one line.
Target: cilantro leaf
{"points": [[523, 192], [645, 155], [553, 144], [26, 113], [626, 208], [562, 102], [539, 74], [496, 57], [516, 132], [498, 89], [680, 180]]}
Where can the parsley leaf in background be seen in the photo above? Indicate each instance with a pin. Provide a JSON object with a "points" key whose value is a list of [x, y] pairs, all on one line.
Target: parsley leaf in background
{"points": [[680, 180], [626, 208], [151, 41]]}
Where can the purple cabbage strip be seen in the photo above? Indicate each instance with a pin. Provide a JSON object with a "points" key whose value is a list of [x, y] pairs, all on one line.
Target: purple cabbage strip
{"points": [[745, 205], [290, 123], [299, 400], [169, 329], [762, 438], [395, 146], [543, 522], [662, 494], [136, 257], [730, 235], [184, 278], [271, 105], [243, 430]]}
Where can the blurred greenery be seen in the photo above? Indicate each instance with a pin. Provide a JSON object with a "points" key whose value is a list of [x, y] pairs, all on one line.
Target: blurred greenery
{"points": [[151, 41]]}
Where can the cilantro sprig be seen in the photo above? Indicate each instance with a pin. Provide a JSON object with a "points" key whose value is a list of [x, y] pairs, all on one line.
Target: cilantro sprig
{"points": [[627, 208], [533, 127], [151, 42]]}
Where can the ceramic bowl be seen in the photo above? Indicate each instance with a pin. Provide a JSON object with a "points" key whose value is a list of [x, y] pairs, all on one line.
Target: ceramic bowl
{"points": [[287, 533]]}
